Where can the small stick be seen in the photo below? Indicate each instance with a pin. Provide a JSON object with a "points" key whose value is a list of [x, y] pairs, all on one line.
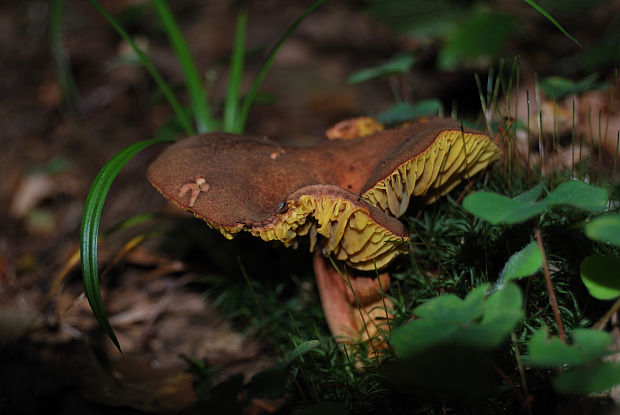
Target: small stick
{"points": [[508, 382], [603, 321], [513, 338], [464, 192], [552, 299]]}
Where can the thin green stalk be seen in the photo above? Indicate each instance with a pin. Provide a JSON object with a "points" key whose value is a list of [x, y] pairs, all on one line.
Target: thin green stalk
{"points": [[600, 147], [163, 86], [554, 138], [517, 70], [572, 143], [249, 99], [529, 150], [246, 277], [231, 107], [539, 116], [63, 69], [616, 158], [526, 393], [202, 116], [483, 103]]}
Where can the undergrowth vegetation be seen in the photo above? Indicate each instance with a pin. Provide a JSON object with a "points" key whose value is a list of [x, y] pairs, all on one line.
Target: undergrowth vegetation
{"points": [[477, 340], [501, 306]]}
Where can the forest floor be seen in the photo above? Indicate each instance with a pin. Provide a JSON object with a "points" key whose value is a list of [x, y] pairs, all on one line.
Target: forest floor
{"points": [[54, 357]]}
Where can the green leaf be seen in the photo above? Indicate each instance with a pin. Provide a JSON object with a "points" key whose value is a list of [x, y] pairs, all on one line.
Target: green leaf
{"points": [[588, 346], [163, 86], [482, 36], [580, 195], [404, 111], [550, 352], [89, 231], [586, 373], [605, 229], [502, 310], [400, 63], [497, 209], [302, 349], [192, 79], [530, 196], [592, 378], [472, 322], [551, 19], [601, 276], [231, 107], [593, 343], [443, 309], [427, 21], [558, 87], [249, 99], [523, 263]]}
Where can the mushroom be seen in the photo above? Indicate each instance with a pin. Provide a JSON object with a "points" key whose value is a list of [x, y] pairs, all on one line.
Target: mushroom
{"points": [[346, 191], [353, 128]]}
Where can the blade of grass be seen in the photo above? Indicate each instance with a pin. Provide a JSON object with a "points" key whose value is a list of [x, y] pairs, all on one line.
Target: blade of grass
{"points": [[89, 231], [67, 83], [483, 103], [231, 107], [202, 116], [552, 20], [163, 86], [249, 99]]}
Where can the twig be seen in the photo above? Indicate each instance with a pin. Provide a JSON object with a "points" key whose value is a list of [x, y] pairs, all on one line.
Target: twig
{"points": [[552, 299], [509, 383], [601, 323], [464, 192], [526, 400]]}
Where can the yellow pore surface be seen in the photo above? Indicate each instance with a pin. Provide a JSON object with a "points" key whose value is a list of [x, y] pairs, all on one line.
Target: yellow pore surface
{"points": [[452, 157], [352, 235]]}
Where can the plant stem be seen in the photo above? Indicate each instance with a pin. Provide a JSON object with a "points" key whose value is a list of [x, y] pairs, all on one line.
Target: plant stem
{"points": [[63, 67], [513, 338], [252, 292], [601, 323], [508, 382], [552, 299]]}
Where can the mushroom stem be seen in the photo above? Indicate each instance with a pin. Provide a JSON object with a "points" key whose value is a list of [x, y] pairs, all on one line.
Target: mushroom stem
{"points": [[354, 308], [334, 300]]}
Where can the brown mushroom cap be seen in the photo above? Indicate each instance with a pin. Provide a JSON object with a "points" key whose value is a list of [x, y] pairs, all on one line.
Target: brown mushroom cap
{"points": [[237, 182]]}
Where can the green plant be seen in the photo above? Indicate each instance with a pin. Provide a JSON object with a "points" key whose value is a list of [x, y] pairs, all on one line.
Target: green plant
{"points": [[235, 115], [470, 32], [478, 321], [583, 370]]}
